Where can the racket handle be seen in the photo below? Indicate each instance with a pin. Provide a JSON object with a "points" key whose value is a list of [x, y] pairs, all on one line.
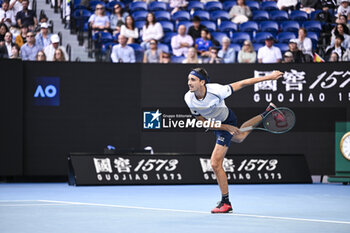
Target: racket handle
{"points": [[245, 129]]}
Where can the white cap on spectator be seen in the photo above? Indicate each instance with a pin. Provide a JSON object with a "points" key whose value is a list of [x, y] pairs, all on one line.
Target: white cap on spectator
{"points": [[288, 54], [344, 1], [55, 38], [293, 41], [44, 25]]}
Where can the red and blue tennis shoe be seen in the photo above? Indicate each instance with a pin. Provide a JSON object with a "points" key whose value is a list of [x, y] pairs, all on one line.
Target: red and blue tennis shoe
{"points": [[222, 208]]}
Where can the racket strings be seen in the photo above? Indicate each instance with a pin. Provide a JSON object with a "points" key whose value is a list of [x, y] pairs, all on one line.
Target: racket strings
{"points": [[279, 120]]}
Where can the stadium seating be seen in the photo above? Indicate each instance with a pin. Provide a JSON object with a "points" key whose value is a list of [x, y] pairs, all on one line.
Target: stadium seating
{"points": [[253, 5], [227, 5], [181, 16], [284, 37], [279, 15], [314, 38], [257, 46], [269, 26], [157, 6], [164, 47], [94, 3], [239, 37], [140, 24], [290, 26], [218, 36], [228, 26], [162, 15], [313, 26], [236, 47], [261, 36], [209, 25], [260, 16], [299, 16], [167, 37], [167, 26], [187, 24], [138, 51], [138, 6], [249, 26], [140, 15], [110, 5], [195, 6], [213, 6], [268, 6], [219, 14], [175, 59], [203, 15], [283, 47]]}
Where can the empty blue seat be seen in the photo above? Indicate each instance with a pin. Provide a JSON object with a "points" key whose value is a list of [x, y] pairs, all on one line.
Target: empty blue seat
{"points": [[138, 6], [227, 5], [140, 15], [213, 6], [253, 5], [261, 36], [195, 6], [181, 16], [290, 26], [257, 46], [219, 14], [249, 26], [313, 26], [284, 37], [279, 15], [140, 24], [260, 16], [283, 47], [228, 26], [167, 37], [164, 47], [104, 37], [239, 37], [236, 47], [157, 6], [268, 6], [167, 26], [314, 38], [209, 25], [203, 15], [218, 36], [314, 14], [269, 26], [138, 51], [176, 59], [299, 16], [162, 15]]}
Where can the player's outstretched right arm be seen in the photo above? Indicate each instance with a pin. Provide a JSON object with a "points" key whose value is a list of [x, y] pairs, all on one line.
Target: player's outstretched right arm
{"points": [[250, 81]]}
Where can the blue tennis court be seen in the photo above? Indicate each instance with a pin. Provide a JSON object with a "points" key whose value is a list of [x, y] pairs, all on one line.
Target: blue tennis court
{"points": [[57, 207]]}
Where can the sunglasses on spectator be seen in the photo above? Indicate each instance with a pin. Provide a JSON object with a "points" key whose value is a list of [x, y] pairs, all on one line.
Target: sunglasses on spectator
{"points": [[30, 35], [116, 7], [152, 43], [165, 57], [99, 8], [246, 44]]}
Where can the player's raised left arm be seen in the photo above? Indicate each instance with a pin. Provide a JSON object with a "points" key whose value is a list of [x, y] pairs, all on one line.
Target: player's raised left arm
{"points": [[250, 81]]}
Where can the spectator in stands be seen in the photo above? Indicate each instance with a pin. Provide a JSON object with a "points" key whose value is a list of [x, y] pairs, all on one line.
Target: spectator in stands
{"points": [[334, 57], [305, 44], [298, 56], [346, 56], [192, 57], [42, 19], [30, 49], [181, 42], [50, 50], [99, 21], [336, 48], [288, 57], [6, 15], [310, 5], [15, 52], [122, 53], [166, 58], [240, 13], [3, 30], [26, 16], [43, 38], [129, 30], [342, 20], [3, 50], [331, 4], [287, 5], [118, 18], [344, 9], [227, 53], [59, 55], [8, 43], [151, 30], [40, 56], [325, 17], [153, 54], [146, 1], [341, 29], [195, 30], [202, 44], [269, 53], [21, 39], [16, 6], [247, 54], [213, 40], [178, 5], [213, 57]]}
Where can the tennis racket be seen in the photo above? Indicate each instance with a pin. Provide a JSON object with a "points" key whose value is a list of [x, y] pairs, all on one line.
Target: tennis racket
{"points": [[279, 120]]}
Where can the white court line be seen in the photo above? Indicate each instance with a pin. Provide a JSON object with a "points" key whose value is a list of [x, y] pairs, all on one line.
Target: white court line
{"points": [[18, 200], [22, 205], [199, 212]]}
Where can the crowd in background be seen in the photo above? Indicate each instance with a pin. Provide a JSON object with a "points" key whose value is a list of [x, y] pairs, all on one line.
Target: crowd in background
{"points": [[194, 43], [24, 36]]}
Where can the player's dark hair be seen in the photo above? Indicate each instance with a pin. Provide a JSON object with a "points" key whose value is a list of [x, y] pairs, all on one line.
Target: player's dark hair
{"points": [[202, 72]]}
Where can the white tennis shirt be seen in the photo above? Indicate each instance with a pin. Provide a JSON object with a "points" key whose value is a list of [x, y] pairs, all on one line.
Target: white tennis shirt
{"points": [[213, 104]]}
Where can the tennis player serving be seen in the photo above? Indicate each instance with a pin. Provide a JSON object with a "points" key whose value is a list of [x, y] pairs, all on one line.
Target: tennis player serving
{"points": [[207, 101]]}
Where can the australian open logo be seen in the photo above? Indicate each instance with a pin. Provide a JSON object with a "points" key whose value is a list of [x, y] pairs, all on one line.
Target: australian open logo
{"points": [[152, 119], [47, 91]]}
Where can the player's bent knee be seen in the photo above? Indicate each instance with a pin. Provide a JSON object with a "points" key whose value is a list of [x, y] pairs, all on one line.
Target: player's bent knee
{"points": [[238, 139], [215, 164]]}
